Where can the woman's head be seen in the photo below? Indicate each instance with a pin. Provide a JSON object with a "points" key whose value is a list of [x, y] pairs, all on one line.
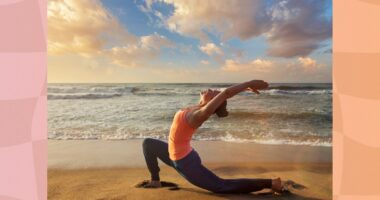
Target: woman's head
{"points": [[207, 95]]}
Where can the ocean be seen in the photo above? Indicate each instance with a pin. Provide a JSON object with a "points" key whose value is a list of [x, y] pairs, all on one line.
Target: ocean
{"points": [[285, 113]]}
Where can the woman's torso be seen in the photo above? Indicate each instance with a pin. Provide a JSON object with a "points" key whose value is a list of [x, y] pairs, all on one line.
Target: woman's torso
{"points": [[180, 135]]}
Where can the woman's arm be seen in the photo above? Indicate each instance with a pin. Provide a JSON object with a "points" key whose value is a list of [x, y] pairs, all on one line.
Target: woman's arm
{"points": [[197, 117]]}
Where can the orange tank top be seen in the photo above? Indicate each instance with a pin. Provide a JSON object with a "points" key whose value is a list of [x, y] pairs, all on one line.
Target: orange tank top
{"points": [[180, 136]]}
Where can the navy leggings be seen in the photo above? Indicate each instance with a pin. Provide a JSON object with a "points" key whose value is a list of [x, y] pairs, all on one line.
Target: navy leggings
{"points": [[191, 168]]}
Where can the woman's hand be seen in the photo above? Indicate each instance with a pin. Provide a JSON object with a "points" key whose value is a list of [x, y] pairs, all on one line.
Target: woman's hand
{"points": [[257, 85], [253, 90]]}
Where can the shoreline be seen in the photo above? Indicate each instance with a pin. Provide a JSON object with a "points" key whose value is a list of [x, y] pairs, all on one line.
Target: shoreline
{"points": [[79, 154]]}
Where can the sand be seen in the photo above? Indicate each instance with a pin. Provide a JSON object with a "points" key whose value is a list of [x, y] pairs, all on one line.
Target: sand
{"points": [[109, 170]]}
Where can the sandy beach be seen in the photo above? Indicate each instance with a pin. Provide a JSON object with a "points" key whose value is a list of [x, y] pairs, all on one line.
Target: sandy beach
{"points": [[98, 169]]}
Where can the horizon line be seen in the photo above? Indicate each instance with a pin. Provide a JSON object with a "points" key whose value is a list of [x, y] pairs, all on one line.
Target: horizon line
{"points": [[176, 82]]}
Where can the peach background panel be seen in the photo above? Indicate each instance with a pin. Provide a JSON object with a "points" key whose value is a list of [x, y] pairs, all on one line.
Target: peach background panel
{"points": [[356, 99], [356, 102], [23, 116]]}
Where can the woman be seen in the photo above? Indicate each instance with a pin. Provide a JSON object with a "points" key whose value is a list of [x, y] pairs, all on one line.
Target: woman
{"points": [[179, 154]]}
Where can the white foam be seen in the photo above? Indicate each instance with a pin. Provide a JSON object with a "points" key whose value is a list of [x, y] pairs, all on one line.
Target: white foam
{"points": [[290, 92], [292, 142]]}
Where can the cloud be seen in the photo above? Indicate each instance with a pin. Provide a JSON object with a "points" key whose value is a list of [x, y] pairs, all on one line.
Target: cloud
{"points": [[210, 49], [258, 65], [308, 63], [136, 55], [292, 28], [303, 64], [87, 29], [82, 27], [298, 27], [302, 69], [229, 17], [205, 62], [155, 41]]}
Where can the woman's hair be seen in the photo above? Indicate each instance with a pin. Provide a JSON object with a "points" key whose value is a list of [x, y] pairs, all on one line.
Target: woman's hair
{"points": [[221, 111]]}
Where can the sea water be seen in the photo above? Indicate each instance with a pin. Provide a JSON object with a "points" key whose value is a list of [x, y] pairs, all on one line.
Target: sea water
{"points": [[297, 113]]}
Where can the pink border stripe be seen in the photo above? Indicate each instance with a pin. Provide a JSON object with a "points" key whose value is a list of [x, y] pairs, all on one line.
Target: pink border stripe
{"points": [[23, 115]]}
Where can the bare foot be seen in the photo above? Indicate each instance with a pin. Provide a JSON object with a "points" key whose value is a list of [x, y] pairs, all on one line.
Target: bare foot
{"points": [[153, 184], [277, 185]]}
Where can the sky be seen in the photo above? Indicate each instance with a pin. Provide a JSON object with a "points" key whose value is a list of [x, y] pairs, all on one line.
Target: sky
{"points": [[165, 41]]}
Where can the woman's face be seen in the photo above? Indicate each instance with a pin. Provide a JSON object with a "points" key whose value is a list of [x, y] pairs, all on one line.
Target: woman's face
{"points": [[207, 95]]}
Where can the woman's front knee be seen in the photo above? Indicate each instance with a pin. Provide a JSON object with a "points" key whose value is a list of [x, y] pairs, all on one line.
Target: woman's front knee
{"points": [[147, 142]]}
